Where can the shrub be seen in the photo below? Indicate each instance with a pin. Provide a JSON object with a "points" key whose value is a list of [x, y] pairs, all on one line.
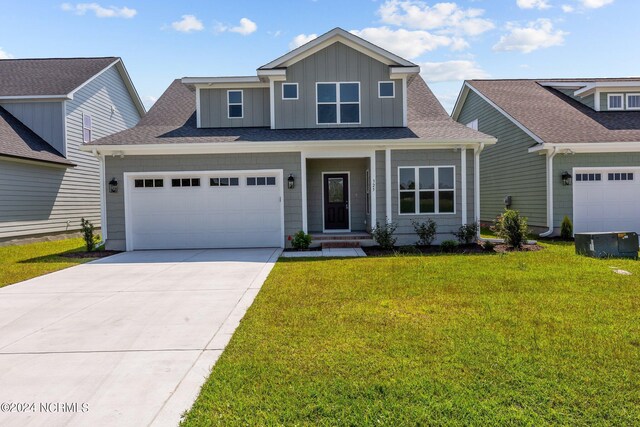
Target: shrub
{"points": [[566, 228], [488, 246], [426, 231], [301, 240], [467, 233], [512, 227], [448, 246], [408, 250], [383, 235], [88, 234]]}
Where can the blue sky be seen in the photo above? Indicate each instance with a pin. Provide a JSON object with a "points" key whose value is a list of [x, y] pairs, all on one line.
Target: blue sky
{"points": [[452, 41]]}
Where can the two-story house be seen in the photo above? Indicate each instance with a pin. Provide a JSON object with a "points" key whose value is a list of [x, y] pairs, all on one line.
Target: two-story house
{"points": [[48, 109], [331, 138], [566, 147]]}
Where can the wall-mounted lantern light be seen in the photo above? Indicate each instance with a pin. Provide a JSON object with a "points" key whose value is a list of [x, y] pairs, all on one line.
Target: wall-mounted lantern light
{"points": [[113, 185], [566, 178], [507, 202], [291, 182]]}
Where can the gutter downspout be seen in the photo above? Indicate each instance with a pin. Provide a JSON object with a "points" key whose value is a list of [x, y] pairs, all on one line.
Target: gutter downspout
{"points": [[103, 204], [550, 157], [476, 185]]}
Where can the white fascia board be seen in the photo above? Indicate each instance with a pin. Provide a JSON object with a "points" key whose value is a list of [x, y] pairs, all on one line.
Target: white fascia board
{"points": [[281, 72], [613, 85], [535, 137], [589, 147], [279, 146], [400, 72], [36, 98], [462, 97], [207, 80]]}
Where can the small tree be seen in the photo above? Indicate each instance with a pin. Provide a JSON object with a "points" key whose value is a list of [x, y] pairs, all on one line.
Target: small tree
{"points": [[467, 233], [426, 231], [512, 227], [88, 234], [383, 235], [566, 228], [301, 240]]}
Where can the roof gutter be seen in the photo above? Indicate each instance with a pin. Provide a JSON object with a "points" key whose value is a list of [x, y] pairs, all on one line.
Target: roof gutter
{"points": [[588, 147], [550, 156]]}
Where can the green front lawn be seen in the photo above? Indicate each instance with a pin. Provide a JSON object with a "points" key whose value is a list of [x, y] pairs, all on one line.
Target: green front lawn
{"points": [[22, 262], [522, 339]]}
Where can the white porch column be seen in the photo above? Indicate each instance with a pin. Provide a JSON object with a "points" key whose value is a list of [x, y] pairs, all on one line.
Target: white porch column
{"points": [[303, 189], [387, 184], [373, 189], [463, 178]]}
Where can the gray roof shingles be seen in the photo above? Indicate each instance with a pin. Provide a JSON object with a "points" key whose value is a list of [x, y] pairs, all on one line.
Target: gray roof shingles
{"points": [[557, 118], [172, 120], [49, 76]]}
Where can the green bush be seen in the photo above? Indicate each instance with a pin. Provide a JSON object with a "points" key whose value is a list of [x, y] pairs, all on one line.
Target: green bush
{"points": [[488, 246], [301, 240], [383, 235], [448, 246], [566, 228], [467, 233], [88, 234], [512, 227], [426, 231]]}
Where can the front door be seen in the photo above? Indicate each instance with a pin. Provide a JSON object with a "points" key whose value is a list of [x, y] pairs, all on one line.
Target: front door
{"points": [[336, 201]]}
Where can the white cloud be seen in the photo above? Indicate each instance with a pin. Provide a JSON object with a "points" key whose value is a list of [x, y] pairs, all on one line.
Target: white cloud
{"points": [[595, 4], [567, 8], [450, 71], [187, 24], [148, 101], [4, 54], [536, 35], [447, 18], [407, 44], [533, 4], [246, 27], [99, 11], [301, 39]]}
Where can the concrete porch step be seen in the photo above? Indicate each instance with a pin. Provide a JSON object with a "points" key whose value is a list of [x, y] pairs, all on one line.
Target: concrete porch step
{"points": [[340, 244], [322, 237]]}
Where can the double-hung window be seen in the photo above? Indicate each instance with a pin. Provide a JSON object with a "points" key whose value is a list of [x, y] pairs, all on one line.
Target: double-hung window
{"points": [[633, 101], [426, 190], [615, 101], [87, 127], [338, 103], [234, 102]]}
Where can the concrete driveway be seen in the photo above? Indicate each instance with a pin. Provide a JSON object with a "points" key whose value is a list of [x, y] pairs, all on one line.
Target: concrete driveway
{"points": [[126, 340]]}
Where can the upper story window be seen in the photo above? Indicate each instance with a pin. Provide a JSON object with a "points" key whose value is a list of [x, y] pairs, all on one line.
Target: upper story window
{"points": [[633, 101], [290, 91], [338, 103], [87, 127], [386, 90], [614, 101], [234, 101]]}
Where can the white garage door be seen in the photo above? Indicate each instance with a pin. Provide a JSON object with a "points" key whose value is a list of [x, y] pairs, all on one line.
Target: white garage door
{"points": [[606, 200], [204, 210]]}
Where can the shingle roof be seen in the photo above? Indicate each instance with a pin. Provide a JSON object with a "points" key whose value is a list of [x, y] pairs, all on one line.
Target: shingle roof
{"points": [[17, 140], [556, 117], [172, 120], [42, 77]]}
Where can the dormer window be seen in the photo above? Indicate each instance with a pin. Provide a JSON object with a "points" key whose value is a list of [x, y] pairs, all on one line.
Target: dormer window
{"points": [[234, 102], [633, 101], [338, 103], [290, 91], [614, 101]]}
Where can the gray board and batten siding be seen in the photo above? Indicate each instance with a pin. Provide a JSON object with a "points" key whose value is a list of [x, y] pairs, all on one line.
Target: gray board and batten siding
{"points": [[214, 111]]}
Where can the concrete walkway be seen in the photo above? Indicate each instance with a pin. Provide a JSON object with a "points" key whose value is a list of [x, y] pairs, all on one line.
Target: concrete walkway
{"points": [[329, 252], [127, 340]]}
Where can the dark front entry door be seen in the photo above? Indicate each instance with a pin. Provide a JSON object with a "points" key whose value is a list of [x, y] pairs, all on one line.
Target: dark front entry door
{"points": [[336, 201]]}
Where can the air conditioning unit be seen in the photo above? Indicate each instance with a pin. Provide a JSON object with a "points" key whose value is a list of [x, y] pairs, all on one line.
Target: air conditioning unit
{"points": [[608, 244]]}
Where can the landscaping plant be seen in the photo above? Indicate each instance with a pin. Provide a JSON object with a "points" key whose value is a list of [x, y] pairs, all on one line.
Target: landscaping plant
{"points": [[512, 227], [448, 246], [566, 228], [467, 233], [425, 230], [383, 235], [88, 234], [301, 240]]}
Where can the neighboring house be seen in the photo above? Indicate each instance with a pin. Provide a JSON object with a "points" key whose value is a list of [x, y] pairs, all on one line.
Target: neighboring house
{"points": [[565, 147], [332, 137], [48, 108]]}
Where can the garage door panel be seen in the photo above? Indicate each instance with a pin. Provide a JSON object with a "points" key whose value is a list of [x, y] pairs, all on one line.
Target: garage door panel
{"points": [[205, 216]]}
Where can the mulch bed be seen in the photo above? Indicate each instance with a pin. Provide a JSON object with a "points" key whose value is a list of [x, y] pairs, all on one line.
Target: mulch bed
{"points": [[460, 249], [94, 254]]}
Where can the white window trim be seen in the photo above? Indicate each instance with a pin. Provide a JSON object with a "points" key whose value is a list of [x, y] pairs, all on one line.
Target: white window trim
{"points": [[337, 103], [393, 85], [241, 103], [609, 96], [436, 190], [297, 92], [87, 128], [627, 100], [473, 124]]}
